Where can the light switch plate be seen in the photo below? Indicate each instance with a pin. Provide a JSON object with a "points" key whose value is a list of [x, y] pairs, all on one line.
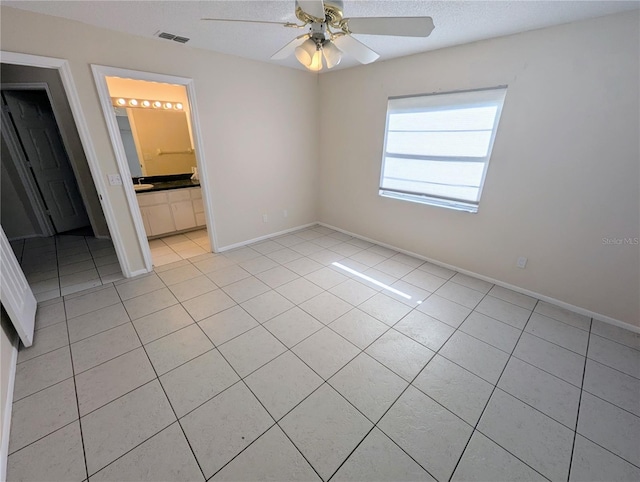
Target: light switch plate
{"points": [[115, 180], [522, 262]]}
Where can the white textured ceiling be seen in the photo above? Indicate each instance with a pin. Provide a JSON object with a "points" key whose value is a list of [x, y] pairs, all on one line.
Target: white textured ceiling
{"points": [[456, 22]]}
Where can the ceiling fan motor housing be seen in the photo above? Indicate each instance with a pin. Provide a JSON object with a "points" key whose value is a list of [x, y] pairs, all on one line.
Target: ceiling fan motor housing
{"points": [[332, 12], [318, 32]]}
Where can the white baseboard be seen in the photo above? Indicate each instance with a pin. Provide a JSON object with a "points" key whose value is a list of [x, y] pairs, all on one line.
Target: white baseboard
{"points": [[548, 299], [28, 236], [139, 272], [8, 405], [266, 236]]}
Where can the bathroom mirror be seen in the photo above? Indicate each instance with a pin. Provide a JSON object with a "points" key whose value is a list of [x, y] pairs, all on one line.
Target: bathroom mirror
{"points": [[156, 142]]}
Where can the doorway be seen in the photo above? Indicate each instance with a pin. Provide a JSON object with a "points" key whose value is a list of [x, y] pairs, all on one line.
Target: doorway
{"points": [[170, 224], [50, 209], [30, 120]]}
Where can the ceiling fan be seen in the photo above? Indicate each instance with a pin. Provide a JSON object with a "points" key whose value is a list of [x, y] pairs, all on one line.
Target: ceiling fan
{"points": [[328, 33]]}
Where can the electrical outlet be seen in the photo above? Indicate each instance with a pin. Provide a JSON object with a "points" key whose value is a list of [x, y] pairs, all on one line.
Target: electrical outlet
{"points": [[115, 180], [522, 262], [285, 213], [265, 218]]}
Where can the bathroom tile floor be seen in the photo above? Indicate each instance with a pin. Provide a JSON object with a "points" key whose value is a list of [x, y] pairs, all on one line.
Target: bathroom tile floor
{"points": [[318, 356], [170, 249]]}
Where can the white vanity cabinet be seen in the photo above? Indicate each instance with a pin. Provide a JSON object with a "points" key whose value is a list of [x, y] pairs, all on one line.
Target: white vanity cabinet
{"points": [[198, 207], [170, 211], [156, 213], [182, 209]]}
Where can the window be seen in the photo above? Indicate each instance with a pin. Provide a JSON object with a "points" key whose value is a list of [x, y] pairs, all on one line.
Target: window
{"points": [[437, 147]]}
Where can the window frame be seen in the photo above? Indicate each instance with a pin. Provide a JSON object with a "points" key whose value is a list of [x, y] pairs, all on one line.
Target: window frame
{"points": [[431, 199]]}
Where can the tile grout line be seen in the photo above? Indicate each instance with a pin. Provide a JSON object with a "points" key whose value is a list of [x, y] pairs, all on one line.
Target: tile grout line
{"points": [[575, 429], [410, 384], [301, 401], [615, 341], [610, 403], [75, 387], [475, 427], [353, 307], [259, 401], [388, 327], [165, 395], [42, 389], [324, 381], [44, 436], [456, 329]]}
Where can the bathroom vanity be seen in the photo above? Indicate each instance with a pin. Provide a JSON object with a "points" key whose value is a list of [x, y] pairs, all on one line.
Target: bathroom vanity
{"points": [[171, 210]]}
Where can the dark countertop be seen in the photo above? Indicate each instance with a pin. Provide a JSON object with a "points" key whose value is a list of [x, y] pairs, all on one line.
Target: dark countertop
{"points": [[164, 183]]}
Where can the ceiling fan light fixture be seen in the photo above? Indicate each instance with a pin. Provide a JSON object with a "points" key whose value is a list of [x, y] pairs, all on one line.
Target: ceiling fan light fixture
{"points": [[316, 61], [305, 52], [332, 54]]}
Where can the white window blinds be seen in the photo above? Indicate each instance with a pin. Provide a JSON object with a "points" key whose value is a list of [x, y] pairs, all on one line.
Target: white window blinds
{"points": [[437, 147]]}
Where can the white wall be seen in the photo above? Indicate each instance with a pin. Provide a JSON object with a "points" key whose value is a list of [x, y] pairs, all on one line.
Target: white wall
{"points": [[563, 176], [260, 139]]}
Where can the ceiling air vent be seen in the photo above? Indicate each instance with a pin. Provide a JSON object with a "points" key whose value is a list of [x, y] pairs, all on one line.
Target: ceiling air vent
{"points": [[170, 36]]}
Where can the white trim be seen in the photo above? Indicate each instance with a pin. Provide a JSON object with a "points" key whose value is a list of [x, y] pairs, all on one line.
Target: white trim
{"points": [[100, 72], [139, 272], [65, 141], [85, 137], [548, 299], [123, 167], [262, 238], [202, 166], [8, 405]]}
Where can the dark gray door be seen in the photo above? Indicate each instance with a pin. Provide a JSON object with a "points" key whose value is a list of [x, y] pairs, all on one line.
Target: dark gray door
{"points": [[36, 126]]}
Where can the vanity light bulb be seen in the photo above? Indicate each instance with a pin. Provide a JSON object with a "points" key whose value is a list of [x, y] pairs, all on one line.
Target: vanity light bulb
{"points": [[179, 106], [146, 103], [157, 104], [121, 102], [168, 105], [133, 102]]}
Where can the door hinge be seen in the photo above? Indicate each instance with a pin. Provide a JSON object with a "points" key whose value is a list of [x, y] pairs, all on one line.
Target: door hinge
{"points": [[5, 108]]}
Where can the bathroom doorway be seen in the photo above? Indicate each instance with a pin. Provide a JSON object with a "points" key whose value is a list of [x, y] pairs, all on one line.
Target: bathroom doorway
{"points": [[154, 131]]}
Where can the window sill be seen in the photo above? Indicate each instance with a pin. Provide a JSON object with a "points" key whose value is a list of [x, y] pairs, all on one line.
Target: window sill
{"points": [[442, 203]]}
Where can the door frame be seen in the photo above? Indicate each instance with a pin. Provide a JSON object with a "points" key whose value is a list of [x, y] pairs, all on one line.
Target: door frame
{"points": [[31, 86], [63, 68], [100, 73], [18, 159]]}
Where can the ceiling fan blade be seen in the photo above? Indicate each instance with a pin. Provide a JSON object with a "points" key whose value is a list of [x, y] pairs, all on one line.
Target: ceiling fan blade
{"points": [[356, 49], [399, 26], [315, 8], [288, 49], [284, 24]]}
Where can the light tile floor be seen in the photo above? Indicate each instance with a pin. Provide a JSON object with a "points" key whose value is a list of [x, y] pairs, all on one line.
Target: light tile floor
{"points": [[320, 356], [63, 264], [179, 246]]}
